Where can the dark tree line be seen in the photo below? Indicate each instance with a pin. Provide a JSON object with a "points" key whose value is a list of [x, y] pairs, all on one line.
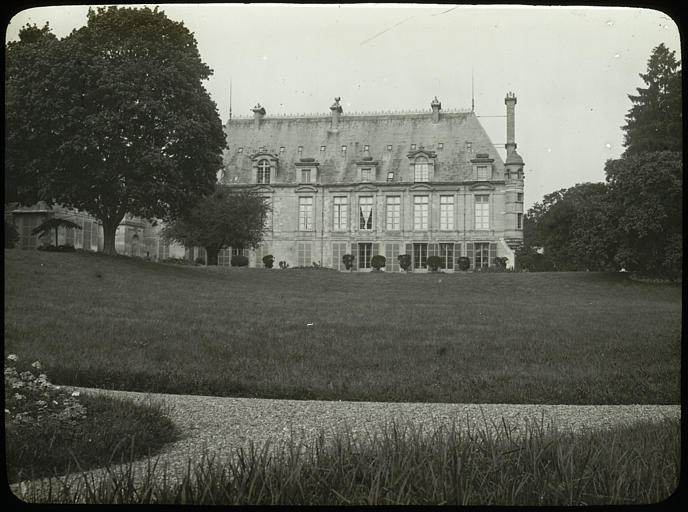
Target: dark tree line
{"points": [[634, 220]]}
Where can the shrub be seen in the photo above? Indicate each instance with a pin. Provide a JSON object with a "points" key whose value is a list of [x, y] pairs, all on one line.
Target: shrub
{"points": [[239, 260], [500, 262], [283, 264], [434, 263], [11, 235], [464, 263], [200, 261], [348, 260], [268, 261], [59, 248], [378, 261], [176, 261], [405, 261]]}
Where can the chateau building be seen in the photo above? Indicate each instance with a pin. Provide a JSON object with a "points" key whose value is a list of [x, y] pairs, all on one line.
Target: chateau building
{"points": [[417, 183], [421, 183]]}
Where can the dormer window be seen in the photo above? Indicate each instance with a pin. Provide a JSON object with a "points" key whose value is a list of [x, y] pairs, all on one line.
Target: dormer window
{"points": [[482, 167], [390, 176], [307, 170], [366, 148], [300, 149], [440, 146], [343, 150], [420, 170], [322, 148], [305, 175], [389, 147], [263, 175], [281, 149], [365, 174], [483, 172]]}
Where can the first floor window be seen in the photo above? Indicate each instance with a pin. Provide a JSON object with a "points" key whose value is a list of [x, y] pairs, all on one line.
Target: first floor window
{"points": [[482, 212], [305, 213], [341, 205], [366, 213], [303, 254], [364, 254], [420, 212], [420, 255], [446, 213], [393, 213], [447, 255]]}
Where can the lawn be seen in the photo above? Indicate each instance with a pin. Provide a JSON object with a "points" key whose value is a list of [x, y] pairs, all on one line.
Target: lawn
{"points": [[576, 338]]}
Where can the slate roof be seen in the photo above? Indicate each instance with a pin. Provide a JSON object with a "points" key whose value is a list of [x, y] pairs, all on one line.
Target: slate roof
{"points": [[378, 131]]}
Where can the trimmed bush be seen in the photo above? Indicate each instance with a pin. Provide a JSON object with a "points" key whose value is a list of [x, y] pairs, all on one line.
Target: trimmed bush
{"points": [[348, 260], [500, 262], [405, 261], [283, 264], [268, 261], [239, 260], [200, 260], [434, 263], [464, 263], [378, 261], [59, 248], [11, 235]]}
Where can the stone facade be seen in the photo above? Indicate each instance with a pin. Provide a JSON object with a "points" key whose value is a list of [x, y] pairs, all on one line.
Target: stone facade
{"points": [[422, 183]]}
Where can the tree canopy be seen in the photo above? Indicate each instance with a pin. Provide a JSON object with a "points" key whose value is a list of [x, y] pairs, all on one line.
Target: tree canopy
{"points": [[654, 122], [227, 218], [112, 119]]}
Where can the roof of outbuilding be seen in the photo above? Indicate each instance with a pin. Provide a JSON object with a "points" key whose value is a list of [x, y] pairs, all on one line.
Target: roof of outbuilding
{"points": [[377, 131]]}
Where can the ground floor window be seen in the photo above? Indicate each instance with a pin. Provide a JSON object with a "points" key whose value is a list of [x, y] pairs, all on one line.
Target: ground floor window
{"points": [[365, 253], [338, 251], [392, 257], [303, 254], [420, 255], [482, 255], [446, 255], [224, 257]]}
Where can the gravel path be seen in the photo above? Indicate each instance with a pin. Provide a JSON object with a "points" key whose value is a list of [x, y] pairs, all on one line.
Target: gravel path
{"points": [[223, 424]]}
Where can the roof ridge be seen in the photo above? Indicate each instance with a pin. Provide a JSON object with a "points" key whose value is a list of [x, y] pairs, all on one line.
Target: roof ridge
{"points": [[359, 114]]}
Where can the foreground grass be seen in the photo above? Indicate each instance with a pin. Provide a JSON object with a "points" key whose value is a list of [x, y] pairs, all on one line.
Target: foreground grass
{"points": [[576, 338], [403, 465], [113, 430]]}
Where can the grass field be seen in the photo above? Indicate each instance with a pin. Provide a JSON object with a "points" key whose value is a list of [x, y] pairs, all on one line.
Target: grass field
{"points": [[577, 338]]}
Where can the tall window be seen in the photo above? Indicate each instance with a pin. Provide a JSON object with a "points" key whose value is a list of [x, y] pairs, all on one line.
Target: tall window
{"points": [[519, 221], [447, 213], [267, 217], [305, 175], [420, 170], [482, 212], [392, 255], [263, 172], [303, 254], [305, 213], [483, 173], [393, 213], [482, 255], [365, 253], [366, 212], [420, 255], [420, 212], [447, 255], [224, 257], [341, 213]]}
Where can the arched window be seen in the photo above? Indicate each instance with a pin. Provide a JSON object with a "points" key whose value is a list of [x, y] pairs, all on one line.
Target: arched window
{"points": [[263, 172]]}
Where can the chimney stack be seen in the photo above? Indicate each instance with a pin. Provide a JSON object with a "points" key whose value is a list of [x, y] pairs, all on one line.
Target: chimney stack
{"points": [[336, 109], [258, 114], [510, 102], [436, 107]]}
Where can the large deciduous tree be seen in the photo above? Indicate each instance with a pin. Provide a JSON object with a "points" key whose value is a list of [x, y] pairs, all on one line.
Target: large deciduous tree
{"points": [[112, 119], [654, 122], [227, 218]]}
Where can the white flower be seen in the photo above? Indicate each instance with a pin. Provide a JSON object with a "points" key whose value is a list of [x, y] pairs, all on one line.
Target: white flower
{"points": [[7, 411], [12, 357], [55, 402], [40, 403], [36, 365], [17, 396], [75, 393]]}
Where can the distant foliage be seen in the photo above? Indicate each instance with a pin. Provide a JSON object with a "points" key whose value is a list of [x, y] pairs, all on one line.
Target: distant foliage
{"points": [[11, 235], [464, 262], [434, 263], [59, 248], [200, 260], [378, 261], [500, 262], [405, 261], [527, 259], [239, 260], [268, 261], [348, 260]]}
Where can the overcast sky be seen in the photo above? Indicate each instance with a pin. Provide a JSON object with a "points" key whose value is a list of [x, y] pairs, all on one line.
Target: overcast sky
{"points": [[571, 68]]}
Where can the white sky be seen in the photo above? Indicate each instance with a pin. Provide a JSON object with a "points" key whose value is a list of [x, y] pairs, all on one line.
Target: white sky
{"points": [[570, 67]]}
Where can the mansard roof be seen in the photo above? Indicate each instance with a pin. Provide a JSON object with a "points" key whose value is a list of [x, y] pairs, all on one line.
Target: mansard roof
{"points": [[377, 131]]}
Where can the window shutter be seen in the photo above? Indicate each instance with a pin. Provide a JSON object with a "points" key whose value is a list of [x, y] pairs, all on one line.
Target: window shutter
{"points": [[469, 253], [493, 253], [354, 253]]}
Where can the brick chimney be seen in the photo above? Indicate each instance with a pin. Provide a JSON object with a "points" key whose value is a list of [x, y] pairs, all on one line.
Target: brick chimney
{"points": [[258, 115], [510, 102], [336, 110], [436, 107]]}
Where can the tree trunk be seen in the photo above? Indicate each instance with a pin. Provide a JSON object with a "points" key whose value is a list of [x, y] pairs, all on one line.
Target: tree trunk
{"points": [[109, 230], [211, 255]]}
